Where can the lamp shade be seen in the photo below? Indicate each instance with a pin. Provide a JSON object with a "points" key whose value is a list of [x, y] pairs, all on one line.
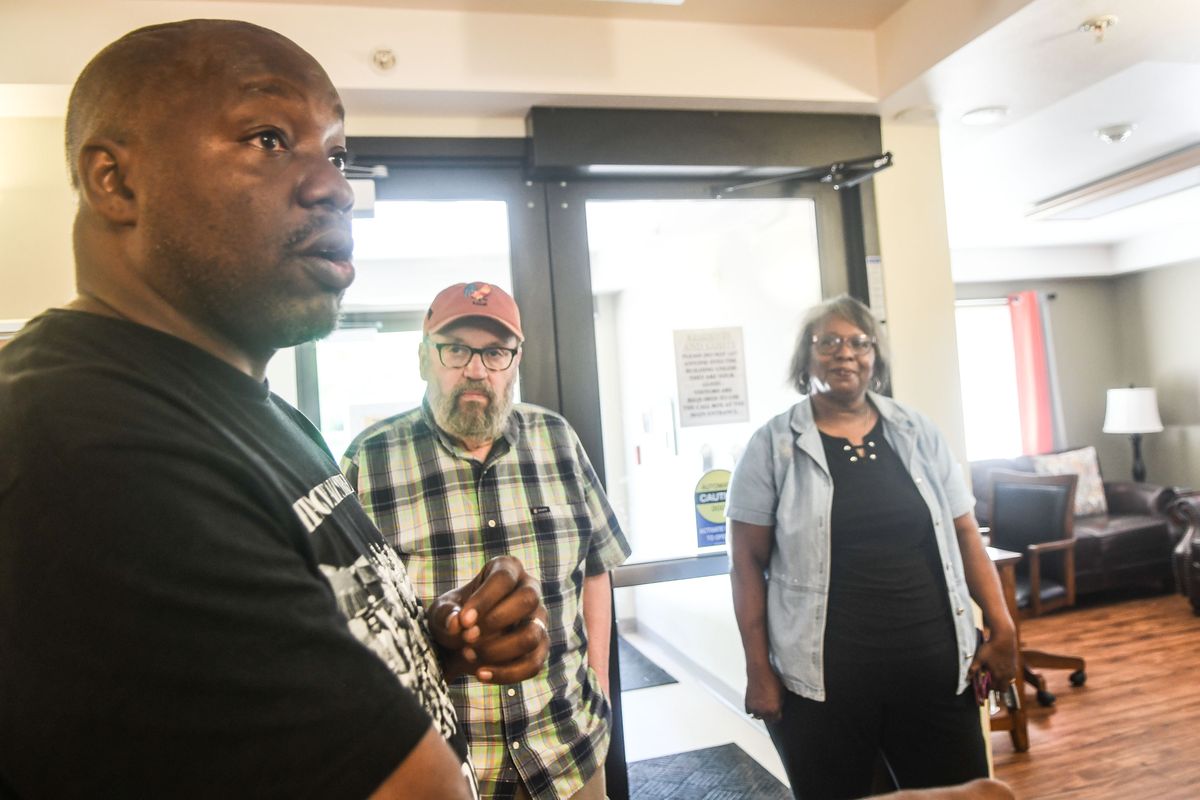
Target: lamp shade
{"points": [[1132, 411]]}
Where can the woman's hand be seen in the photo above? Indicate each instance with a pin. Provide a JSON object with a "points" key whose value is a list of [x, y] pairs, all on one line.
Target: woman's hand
{"points": [[764, 695], [749, 553], [998, 655]]}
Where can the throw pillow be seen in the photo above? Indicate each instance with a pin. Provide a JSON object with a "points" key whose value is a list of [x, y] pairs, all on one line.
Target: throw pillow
{"points": [[1089, 491]]}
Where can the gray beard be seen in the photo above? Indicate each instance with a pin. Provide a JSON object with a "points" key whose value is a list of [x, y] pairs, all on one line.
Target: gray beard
{"points": [[474, 423]]}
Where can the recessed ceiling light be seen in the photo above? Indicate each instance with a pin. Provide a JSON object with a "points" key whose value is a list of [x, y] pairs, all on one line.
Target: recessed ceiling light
{"points": [[917, 114], [1115, 134], [988, 115]]}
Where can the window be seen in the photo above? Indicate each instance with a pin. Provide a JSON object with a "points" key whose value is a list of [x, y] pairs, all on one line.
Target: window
{"points": [[988, 374]]}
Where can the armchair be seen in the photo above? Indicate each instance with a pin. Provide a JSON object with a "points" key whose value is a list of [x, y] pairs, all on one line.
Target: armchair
{"points": [[1035, 515], [1185, 512], [1129, 545]]}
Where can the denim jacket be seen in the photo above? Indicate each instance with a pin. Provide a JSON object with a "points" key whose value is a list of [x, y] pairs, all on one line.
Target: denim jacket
{"points": [[782, 481]]}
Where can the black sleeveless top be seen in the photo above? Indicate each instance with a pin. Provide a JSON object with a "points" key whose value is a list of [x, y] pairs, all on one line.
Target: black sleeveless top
{"points": [[887, 594]]}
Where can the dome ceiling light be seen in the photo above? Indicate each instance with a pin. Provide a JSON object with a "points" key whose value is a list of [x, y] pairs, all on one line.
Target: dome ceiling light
{"points": [[917, 114], [1115, 134], [988, 115]]}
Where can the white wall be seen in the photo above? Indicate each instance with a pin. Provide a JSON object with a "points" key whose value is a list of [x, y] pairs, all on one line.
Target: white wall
{"points": [[36, 210], [1031, 263], [1087, 352], [916, 269], [481, 63], [1116, 330], [1157, 327]]}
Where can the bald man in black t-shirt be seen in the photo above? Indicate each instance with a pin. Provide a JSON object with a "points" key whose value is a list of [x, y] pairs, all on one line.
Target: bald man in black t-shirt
{"points": [[192, 601]]}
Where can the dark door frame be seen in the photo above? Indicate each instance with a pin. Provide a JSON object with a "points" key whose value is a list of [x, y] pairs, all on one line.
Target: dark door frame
{"points": [[552, 283]]}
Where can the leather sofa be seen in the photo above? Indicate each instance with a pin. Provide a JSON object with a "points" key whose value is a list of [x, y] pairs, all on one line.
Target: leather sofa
{"points": [[1131, 545], [1185, 511]]}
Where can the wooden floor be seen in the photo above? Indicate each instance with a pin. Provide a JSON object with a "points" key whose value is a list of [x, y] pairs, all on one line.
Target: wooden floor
{"points": [[1133, 731]]}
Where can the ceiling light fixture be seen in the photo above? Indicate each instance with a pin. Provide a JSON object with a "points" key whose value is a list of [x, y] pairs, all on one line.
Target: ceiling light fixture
{"points": [[988, 115], [1157, 178], [1098, 26], [383, 59], [917, 114], [1115, 134]]}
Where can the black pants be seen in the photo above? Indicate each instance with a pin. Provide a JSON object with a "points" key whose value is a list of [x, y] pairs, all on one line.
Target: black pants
{"points": [[905, 712]]}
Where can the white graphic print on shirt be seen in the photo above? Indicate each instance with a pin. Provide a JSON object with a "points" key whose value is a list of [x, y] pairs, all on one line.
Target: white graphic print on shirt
{"points": [[372, 594]]}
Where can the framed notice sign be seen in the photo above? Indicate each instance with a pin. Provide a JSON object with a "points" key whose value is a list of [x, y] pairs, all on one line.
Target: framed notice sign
{"points": [[710, 370]]}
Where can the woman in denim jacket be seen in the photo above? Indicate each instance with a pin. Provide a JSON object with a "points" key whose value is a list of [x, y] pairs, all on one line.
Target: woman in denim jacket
{"points": [[855, 557]]}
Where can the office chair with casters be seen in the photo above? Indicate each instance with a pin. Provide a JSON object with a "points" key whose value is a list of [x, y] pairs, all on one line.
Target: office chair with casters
{"points": [[1035, 515]]}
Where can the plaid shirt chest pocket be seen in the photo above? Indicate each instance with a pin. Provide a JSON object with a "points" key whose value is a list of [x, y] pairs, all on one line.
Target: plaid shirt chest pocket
{"points": [[550, 536], [551, 539]]}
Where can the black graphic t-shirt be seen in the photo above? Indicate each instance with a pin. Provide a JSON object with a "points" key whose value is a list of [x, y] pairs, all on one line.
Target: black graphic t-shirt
{"points": [[192, 601]]}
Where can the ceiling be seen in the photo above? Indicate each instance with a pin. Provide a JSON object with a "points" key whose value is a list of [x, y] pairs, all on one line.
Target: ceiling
{"points": [[1059, 85]]}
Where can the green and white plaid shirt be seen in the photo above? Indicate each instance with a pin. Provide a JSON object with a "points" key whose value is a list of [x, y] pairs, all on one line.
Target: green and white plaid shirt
{"points": [[537, 498]]}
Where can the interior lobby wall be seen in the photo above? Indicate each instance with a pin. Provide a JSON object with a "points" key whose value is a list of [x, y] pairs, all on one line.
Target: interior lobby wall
{"points": [[459, 62], [37, 206], [468, 75], [1087, 350], [918, 290], [1157, 327]]}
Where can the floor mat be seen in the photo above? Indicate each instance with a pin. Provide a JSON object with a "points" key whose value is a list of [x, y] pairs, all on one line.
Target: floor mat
{"points": [[714, 773], [637, 671]]}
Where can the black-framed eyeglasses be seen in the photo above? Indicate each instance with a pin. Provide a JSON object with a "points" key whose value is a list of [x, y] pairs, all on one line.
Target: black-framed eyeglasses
{"points": [[457, 356], [829, 343]]}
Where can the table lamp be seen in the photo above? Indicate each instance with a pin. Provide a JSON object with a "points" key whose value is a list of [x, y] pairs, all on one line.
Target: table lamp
{"points": [[1133, 411]]}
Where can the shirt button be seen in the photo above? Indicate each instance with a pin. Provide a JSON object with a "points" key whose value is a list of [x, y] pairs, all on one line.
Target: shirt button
{"points": [[516, 745], [491, 523], [958, 611], [512, 692], [917, 481]]}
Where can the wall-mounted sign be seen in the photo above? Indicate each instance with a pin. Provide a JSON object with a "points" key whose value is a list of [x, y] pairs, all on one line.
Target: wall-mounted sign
{"points": [[710, 508], [710, 370]]}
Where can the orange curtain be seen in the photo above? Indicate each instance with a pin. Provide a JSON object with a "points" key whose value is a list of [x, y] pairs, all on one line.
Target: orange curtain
{"points": [[1033, 374]]}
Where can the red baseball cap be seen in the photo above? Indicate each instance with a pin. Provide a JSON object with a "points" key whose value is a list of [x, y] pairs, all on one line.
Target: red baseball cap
{"points": [[475, 299]]}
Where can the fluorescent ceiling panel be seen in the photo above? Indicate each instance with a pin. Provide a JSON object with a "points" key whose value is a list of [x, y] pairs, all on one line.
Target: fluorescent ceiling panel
{"points": [[1169, 174]]}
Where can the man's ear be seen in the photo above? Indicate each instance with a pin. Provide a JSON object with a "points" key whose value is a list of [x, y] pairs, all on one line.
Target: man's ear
{"points": [[423, 359], [104, 180]]}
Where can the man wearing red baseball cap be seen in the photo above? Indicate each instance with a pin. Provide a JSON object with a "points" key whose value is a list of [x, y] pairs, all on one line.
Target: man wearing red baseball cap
{"points": [[468, 476]]}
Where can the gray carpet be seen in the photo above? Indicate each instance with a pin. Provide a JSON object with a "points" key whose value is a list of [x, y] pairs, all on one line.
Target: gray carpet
{"points": [[714, 773], [637, 671]]}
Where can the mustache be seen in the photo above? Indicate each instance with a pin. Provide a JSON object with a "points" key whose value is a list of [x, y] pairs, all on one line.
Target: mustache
{"points": [[479, 387]]}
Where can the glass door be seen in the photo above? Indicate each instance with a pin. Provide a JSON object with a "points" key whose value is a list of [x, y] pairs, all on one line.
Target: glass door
{"points": [[404, 254], [659, 321], [430, 227], [695, 305]]}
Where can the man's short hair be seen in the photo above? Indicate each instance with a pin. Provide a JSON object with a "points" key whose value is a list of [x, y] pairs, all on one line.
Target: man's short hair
{"points": [[133, 76]]}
